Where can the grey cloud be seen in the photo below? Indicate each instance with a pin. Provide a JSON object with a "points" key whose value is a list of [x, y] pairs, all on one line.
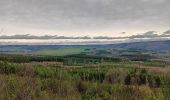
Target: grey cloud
{"points": [[28, 36], [166, 33], [122, 33], [149, 34], [102, 37], [69, 15]]}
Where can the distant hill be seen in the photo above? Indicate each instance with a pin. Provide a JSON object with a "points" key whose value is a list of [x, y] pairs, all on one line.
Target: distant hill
{"points": [[151, 45], [142, 46]]}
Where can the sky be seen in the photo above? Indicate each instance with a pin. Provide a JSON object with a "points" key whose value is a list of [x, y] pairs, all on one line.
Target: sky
{"points": [[84, 17]]}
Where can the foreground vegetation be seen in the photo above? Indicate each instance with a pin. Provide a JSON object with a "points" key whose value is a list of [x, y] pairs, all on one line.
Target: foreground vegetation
{"points": [[82, 77]]}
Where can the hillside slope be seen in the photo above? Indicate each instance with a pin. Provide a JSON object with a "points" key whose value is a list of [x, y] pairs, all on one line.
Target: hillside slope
{"points": [[151, 45]]}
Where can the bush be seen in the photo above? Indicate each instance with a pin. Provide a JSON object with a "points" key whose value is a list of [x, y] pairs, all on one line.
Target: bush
{"points": [[122, 92], [81, 87], [91, 93], [154, 81], [166, 87], [127, 80], [9, 68], [26, 71], [12, 88], [137, 76], [44, 72], [116, 75]]}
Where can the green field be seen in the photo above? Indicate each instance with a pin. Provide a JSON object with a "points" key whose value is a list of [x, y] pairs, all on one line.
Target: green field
{"points": [[60, 52]]}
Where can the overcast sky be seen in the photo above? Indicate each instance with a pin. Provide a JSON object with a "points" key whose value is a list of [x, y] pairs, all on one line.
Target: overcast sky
{"points": [[83, 17]]}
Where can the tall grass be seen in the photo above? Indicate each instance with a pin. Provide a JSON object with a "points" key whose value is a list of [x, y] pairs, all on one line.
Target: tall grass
{"points": [[38, 81]]}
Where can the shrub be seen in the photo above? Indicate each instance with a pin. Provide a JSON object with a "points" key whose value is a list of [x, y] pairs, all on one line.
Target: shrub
{"points": [[12, 88], [26, 71], [142, 75], [116, 76], [127, 80], [166, 87], [91, 93], [122, 92], [9, 68], [154, 81], [81, 86], [44, 72]]}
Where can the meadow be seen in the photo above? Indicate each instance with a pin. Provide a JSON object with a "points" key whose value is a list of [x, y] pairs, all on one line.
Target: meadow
{"points": [[82, 77], [60, 51]]}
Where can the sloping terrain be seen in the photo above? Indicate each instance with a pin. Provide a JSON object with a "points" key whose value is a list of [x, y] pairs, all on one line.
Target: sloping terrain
{"points": [[152, 45], [155, 46]]}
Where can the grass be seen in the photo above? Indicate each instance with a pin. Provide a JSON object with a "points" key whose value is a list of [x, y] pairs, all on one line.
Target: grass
{"points": [[107, 80], [60, 52], [25, 88]]}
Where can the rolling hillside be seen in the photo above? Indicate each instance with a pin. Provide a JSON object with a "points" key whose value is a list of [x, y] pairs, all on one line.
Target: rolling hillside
{"points": [[152, 45], [156, 46]]}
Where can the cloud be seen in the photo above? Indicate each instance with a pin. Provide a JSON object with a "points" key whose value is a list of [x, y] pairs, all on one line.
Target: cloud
{"points": [[28, 36], [122, 33], [83, 16], [102, 37], [166, 33], [149, 34]]}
